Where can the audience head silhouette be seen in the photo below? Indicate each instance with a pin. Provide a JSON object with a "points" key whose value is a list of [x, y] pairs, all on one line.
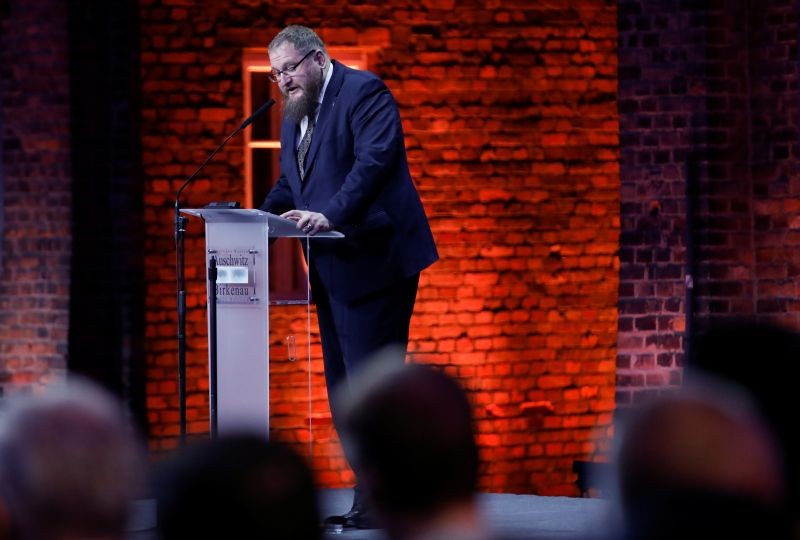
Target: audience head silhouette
{"points": [[758, 356], [701, 463], [237, 486], [69, 465], [412, 430]]}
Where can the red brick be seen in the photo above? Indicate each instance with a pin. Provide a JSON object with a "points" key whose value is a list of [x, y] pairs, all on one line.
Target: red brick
{"points": [[484, 179]]}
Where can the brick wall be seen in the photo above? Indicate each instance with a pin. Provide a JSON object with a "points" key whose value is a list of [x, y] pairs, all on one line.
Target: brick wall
{"points": [[511, 130], [661, 101], [34, 106], [511, 123], [708, 137], [775, 156]]}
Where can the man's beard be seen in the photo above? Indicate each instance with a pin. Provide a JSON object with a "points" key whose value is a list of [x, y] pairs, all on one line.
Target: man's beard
{"points": [[294, 109]]}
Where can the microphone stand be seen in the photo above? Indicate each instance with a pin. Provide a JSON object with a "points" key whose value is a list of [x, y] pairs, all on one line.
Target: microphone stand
{"points": [[180, 263], [212, 343]]}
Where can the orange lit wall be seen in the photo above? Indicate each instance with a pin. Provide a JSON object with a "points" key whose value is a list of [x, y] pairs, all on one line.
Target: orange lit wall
{"points": [[511, 128]]}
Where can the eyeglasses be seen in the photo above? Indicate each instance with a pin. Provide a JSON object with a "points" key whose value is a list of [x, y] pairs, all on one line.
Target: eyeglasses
{"points": [[275, 74]]}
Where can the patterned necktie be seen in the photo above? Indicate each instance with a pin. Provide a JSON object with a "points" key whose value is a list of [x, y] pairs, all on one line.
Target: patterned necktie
{"points": [[305, 142]]}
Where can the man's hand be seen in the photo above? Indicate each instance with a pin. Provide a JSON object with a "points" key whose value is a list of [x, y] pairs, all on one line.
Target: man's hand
{"points": [[309, 222]]}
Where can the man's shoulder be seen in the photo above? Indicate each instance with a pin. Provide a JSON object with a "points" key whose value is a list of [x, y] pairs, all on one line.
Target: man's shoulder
{"points": [[359, 77], [354, 87]]}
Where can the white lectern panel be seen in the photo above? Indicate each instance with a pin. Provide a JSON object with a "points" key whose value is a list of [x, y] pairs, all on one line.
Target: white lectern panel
{"points": [[242, 326], [239, 240]]}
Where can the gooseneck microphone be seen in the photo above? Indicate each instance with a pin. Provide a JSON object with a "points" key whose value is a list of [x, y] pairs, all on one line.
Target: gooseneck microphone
{"points": [[180, 229], [249, 120], [261, 110]]}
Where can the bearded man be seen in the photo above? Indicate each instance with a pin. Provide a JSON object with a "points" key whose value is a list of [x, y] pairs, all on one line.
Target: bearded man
{"points": [[344, 166]]}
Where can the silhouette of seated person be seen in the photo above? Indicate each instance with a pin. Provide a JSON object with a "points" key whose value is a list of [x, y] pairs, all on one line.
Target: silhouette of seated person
{"points": [[701, 463], [70, 465], [760, 357], [237, 486], [411, 431]]}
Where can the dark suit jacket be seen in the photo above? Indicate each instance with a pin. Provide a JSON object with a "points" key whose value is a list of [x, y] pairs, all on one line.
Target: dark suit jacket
{"points": [[357, 176]]}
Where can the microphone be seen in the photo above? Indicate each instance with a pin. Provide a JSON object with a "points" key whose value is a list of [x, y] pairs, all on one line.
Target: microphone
{"points": [[261, 110]]}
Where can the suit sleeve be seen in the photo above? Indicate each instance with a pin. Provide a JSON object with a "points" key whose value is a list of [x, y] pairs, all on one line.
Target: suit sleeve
{"points": [[378, 143], [279, 199]]}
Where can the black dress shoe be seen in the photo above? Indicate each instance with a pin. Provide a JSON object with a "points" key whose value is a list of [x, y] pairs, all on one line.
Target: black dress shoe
{"points": [[361, 517], [358, 517], [334, 524]]}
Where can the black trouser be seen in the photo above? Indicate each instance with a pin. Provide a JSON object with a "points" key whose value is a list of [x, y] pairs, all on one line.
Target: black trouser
{"points": [[353, 332]]}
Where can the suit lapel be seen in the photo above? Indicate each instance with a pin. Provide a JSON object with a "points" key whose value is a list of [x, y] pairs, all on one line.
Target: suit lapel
{"points": [[325, 112]]}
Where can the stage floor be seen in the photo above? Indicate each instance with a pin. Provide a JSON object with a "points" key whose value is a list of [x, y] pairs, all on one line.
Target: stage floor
{"points": [[510, 517]]}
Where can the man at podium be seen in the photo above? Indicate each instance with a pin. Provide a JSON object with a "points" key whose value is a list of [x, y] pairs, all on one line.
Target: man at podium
{"points": [[343, 166]]}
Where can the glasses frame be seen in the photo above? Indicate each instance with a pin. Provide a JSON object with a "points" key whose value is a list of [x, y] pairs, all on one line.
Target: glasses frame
{"points": [[274, 74]]}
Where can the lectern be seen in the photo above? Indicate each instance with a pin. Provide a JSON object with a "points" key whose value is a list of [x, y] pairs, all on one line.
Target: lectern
{"points": [[238, 242]]}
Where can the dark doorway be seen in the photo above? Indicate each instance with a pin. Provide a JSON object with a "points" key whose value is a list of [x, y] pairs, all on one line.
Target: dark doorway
{"points": [[107, 287]]}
